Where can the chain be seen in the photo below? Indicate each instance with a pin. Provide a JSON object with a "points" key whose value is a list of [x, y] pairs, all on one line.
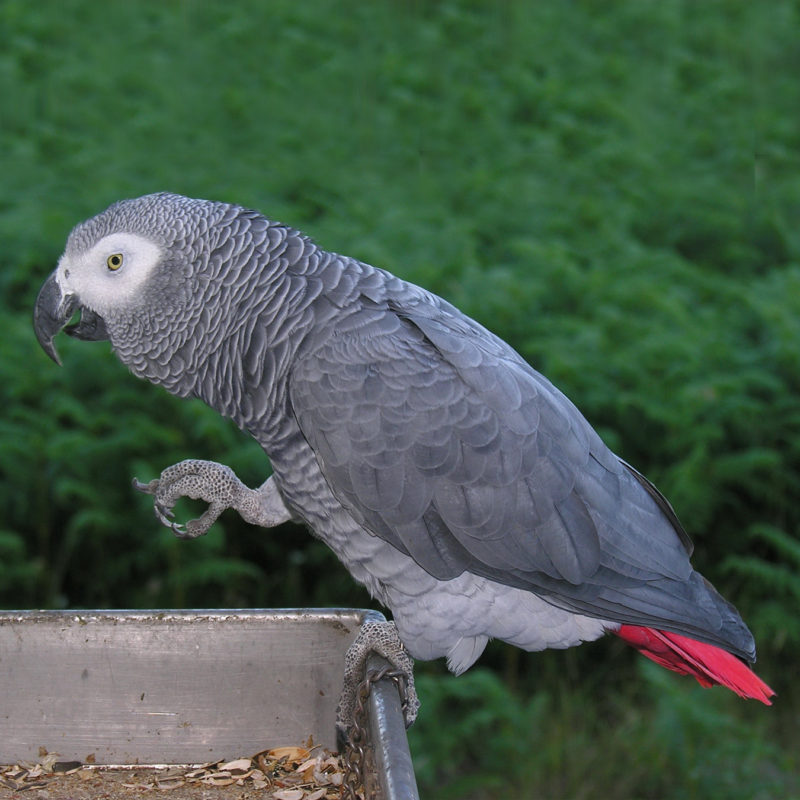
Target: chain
{"points": [[355, 755]]}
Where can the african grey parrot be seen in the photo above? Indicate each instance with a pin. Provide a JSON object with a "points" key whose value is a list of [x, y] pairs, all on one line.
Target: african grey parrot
{"points": [[454, 481]]}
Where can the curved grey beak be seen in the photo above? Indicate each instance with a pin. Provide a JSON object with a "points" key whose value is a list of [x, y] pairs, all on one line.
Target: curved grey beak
{"points": [[51, 313]]}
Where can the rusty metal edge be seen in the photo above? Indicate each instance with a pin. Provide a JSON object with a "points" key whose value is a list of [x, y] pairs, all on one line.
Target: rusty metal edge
{"points": [[125, 615]]}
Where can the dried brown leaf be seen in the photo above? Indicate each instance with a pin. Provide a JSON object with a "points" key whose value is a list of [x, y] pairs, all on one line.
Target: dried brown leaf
{"points": [[196, 773], [289, 794], [170, 783], [238, 765], [218, 779], [309, 763], [291, 754]]}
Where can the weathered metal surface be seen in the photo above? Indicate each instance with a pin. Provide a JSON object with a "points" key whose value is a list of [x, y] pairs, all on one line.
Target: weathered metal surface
{"points": [[170, 686], [393, 765]]}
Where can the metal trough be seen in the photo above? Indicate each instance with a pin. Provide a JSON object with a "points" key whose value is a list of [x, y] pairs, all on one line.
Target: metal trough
{"points": [[186, 687]]}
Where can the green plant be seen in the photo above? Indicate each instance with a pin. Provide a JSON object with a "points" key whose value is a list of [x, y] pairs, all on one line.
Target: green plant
{"points": [[774, 575], [478, 739]]}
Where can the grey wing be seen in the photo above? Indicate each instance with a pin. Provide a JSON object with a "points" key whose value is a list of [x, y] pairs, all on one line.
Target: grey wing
{"points": [[438, 438]]}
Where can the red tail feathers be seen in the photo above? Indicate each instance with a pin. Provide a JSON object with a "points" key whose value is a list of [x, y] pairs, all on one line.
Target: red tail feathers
{"points": [[709, 664]]}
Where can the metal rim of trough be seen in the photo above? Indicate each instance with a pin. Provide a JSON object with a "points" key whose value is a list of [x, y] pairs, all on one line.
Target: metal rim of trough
{"points": [[130, 685]]}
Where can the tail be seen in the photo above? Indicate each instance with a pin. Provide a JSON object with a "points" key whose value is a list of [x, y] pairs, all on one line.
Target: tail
{"points": [[708, 664]]}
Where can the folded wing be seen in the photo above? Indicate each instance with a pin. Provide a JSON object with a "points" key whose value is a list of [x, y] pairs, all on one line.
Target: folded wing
{"points": [[442, 441]]}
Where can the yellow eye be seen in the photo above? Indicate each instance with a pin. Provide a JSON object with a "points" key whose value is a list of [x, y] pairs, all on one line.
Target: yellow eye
{"points": [[114, 261]]}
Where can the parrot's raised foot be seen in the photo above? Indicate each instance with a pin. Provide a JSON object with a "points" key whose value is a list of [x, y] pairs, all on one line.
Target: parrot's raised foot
{"points": [[214, 483], [218, 486], [381, 638]]}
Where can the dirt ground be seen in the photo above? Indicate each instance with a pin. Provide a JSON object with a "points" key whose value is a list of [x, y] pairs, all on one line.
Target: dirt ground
{"points": [[285, 773], [108, 785]]}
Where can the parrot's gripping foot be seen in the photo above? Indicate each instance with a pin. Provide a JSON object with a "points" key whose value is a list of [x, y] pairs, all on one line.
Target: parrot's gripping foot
{"points": [[214, 483], [218, 486], [381, 638]]}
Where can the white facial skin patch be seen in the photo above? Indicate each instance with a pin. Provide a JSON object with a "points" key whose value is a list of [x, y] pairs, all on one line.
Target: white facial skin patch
{"points": [[111, 273]]}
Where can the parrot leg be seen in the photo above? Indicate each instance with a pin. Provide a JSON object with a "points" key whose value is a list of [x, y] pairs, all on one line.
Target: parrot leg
{"points": [[381, 638], [218, 486]]}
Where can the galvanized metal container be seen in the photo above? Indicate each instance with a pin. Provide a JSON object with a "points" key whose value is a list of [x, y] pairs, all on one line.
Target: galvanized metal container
{"points": [[182, 687]]}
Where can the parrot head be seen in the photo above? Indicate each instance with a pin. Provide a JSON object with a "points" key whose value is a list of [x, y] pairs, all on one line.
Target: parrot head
{"points": [[120, 267], [177, 285], [98, 283]]}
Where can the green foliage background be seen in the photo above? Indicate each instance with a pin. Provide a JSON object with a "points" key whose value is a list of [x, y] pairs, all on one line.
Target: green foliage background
{"points": [[612, 187]]}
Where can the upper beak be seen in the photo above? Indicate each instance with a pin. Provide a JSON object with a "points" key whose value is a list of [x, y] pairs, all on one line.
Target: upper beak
{"points": [[51, 313]]}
